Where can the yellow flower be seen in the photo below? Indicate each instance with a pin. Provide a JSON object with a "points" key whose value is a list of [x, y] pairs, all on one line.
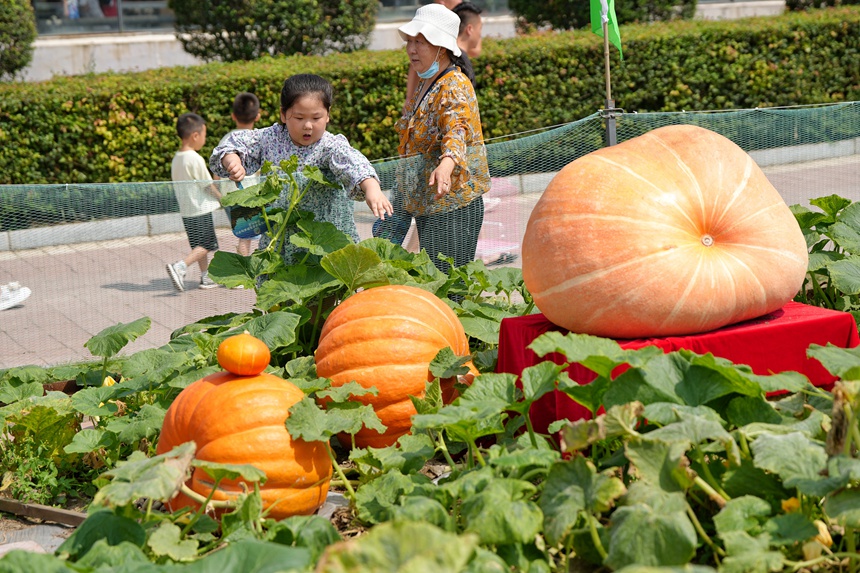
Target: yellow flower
{"points": [[790, 504], [109, 381]]}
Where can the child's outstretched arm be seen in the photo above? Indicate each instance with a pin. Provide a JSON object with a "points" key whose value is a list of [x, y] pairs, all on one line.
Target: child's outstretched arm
{"points": [[375, 198], [233, 165]]}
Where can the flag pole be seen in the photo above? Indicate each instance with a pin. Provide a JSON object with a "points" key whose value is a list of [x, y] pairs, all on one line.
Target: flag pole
{"points": [[609, 112]]}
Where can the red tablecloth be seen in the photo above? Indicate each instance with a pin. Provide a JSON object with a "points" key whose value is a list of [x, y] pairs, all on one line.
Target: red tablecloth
{"points": [[775, 342]]}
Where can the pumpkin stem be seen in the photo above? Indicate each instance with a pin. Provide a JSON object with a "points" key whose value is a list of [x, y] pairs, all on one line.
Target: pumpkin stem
{"points": [[342, 477], [707, 240]]}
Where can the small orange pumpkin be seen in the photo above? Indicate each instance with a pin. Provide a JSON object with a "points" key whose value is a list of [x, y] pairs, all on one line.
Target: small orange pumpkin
{"points": [[386, 337], [237, 419], [243, 354], [673, 232]]}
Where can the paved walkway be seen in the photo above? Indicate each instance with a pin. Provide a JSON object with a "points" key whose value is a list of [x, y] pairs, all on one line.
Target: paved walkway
{"points": [[78, 290]]}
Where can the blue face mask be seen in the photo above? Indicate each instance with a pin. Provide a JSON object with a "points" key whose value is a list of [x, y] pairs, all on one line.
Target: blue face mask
{"points": [[432, 70]]}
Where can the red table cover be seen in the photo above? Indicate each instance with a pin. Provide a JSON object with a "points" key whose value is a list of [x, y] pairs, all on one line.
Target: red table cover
{"points": [[775, 342]]}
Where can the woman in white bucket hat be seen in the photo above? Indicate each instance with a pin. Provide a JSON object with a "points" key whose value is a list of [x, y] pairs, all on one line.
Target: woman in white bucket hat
{"points": [[444, 171]]}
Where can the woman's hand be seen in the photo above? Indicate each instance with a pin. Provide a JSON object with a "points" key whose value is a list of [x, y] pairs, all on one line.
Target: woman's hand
{"points": [[441, 177], [234, 167], [375, 198]]}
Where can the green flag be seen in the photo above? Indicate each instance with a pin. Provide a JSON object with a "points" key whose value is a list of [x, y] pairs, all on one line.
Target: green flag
{"points": [[604, 11]]}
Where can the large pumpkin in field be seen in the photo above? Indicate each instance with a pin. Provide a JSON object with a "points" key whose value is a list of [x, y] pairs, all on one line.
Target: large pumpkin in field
{"points": [[386, 337], [239, 419], [673, 232]]}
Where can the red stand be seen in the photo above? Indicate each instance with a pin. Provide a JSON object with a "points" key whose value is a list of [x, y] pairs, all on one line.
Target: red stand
{"points": [[775, 342]]}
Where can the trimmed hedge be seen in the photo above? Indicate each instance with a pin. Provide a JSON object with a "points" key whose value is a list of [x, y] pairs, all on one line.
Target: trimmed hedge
{"points": [[120, 127]]}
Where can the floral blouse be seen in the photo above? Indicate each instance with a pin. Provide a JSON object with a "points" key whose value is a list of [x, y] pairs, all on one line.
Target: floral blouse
{"points": [[332, 154], [445, 123]]}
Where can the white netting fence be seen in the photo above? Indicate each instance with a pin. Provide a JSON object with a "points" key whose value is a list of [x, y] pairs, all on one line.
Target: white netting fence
{"points": [[95, 255]]}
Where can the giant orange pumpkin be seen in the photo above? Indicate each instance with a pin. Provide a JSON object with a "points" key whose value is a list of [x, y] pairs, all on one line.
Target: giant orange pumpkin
{"points": [[676, 231], [386, 337], [239, 419]]}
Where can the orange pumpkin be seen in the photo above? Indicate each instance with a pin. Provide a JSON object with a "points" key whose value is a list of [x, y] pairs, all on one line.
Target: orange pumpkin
{"points": [[673, 232], [386, 337], [243, 354], [237, 419]]}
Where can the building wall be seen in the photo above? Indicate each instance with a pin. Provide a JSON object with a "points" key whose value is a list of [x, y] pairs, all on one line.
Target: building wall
{"points": [[73, 55]]}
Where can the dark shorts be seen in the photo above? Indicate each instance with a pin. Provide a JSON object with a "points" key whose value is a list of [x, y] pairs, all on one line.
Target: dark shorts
{"points": [[201, 232]]}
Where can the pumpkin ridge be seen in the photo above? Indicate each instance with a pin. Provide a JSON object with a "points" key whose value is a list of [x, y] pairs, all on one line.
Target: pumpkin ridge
{"points": [[602, 273], [368, 330], [737, 193]]}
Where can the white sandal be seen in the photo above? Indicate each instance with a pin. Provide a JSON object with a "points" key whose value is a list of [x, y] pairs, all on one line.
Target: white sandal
{"points": [[13, 294]]}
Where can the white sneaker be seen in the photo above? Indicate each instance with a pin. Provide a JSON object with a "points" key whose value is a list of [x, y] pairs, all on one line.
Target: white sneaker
{"points": [[13, 294], [176, 275], [206, 282]]}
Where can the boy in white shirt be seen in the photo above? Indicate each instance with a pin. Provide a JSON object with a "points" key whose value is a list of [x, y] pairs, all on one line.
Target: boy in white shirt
{"points": [[197, 196]]}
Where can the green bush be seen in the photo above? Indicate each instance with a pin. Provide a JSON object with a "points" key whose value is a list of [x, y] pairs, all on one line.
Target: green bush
{"points": [[17, 33], [573, 14], [237, 31], [112, 128]]}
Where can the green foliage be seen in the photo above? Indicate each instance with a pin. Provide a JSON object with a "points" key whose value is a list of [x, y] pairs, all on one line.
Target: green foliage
{"points": [[17, 33], [242, 31], [119, 128], [832, 235], [572, 14]]}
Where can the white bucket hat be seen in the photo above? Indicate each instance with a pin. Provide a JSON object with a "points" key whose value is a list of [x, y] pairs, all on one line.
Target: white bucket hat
{"points": [[436, 23]]}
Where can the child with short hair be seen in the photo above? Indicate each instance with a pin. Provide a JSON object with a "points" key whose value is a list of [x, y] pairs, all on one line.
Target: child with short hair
{"points": [[306, 100], [197, 197], [245, 113]]}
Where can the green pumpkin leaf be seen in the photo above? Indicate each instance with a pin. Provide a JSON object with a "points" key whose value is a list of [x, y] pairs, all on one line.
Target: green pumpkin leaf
{"points": [[253, 556], [748, 554], [113, 338], [157, 478], [745, 513], [94, 401], [92, 440], [790, 528], [422, 510], [233, 269], [374, 500], [103, 555], [539, 380], [664, 413], [795, 458], [498, 389], [355, 266], [275, 329], [102, 525], [392, 547], [654, 534], [600, 355], [218, 471], [408, 455], [845, 275], [320, 237], [299, 284], [309, 422], [572, 487], [484, 329], [844, 508], [830, 204], [589, 395], [502, 513], [661, 464], [841, 362], [310, 531], [166, 541], [446, 364]]}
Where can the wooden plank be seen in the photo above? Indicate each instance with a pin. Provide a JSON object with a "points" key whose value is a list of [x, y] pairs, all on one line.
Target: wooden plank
{"points": [[43, 512]]}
